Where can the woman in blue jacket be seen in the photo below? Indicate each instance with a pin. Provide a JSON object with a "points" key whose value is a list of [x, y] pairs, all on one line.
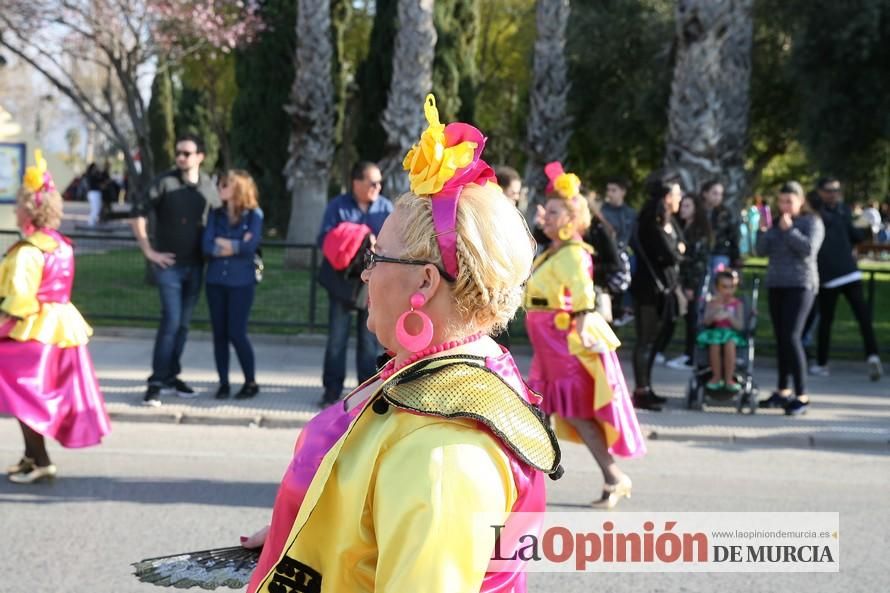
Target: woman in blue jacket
{"points": [[231, 239]]}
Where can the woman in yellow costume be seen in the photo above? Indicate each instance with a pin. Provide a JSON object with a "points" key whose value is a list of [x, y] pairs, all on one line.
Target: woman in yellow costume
{"points": [[384, 488], [575, 366], [47, 379]]}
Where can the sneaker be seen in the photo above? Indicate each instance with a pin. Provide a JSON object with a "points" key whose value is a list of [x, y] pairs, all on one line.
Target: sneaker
{"points": [[328, 399], [643, 400], [680, 363], [248, 391], [623, 320], [182, 389], [152, 396], [875, 370], [776, 400], [796, 407], [659, 358], [223, 391], [819, 371]]}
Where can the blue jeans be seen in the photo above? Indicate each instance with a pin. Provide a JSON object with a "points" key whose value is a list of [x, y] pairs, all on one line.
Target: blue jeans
{"points": [[229, 310], [339, 318], [179, 287]]}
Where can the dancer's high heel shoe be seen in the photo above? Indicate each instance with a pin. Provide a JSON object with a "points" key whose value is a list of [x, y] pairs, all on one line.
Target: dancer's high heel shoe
{"points": [[612, 493], [25, 464], [47, 472]]}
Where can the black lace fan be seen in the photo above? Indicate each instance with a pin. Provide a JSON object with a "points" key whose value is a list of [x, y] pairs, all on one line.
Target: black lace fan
{"points": [[208, 569]]}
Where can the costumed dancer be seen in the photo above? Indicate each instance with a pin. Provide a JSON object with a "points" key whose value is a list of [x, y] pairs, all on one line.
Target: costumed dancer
{"points": [[574, 365], [47, 380], [384, 487]]}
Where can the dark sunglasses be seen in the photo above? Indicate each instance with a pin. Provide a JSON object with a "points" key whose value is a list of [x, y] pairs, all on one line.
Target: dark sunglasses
{"points": [[375, 183], [184, 153], [371, 259]]}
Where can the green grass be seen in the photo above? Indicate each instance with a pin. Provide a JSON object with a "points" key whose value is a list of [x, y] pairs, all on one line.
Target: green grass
{"points": [[112, 284]]}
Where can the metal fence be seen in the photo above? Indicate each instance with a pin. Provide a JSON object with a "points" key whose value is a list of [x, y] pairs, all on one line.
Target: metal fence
{"points": [[113, 286]]}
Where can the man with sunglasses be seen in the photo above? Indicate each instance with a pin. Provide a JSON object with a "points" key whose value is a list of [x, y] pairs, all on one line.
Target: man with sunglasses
{"points": [[364, 205], [177, 202]]}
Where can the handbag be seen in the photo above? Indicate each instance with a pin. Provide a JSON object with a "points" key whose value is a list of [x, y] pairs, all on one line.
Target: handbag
{"points": [[680, 302]]}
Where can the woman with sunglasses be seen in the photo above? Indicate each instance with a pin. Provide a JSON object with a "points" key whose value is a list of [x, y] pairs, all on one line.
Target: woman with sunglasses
{"points": [[575, 366], [385, 487], [231, 239]]}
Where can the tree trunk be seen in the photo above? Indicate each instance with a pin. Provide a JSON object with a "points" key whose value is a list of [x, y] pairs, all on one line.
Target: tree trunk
{"points": [[412, 79], [710, 95], [549, 127], [313, 115]]}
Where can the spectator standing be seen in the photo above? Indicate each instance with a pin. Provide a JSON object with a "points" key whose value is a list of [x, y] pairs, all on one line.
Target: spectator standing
{"points": [[839, 275], [96, 180], [510, 183], [693, 269], [622, 218], [180, 200], [659, 246], [792, 278], [364, 205], [724, 225], [231, 239]]}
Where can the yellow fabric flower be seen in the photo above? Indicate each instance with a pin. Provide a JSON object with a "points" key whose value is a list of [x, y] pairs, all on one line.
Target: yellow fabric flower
{"points": [[33, 179], [430, 163], [567, 185]]}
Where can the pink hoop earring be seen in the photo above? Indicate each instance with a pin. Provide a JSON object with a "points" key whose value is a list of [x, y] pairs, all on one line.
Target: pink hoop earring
{"points": [[418, 342]]}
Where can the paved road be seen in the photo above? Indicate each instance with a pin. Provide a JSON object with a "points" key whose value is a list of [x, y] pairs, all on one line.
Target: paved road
{"points": [[155, 489]]}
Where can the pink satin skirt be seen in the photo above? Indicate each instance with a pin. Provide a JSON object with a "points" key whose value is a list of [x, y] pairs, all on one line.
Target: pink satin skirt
{"points": [[54, 391], [568, 388]]}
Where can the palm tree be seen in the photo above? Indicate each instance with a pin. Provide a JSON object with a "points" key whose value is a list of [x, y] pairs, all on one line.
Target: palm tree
{"points": [[710, 94], [313, 120], [549, 126], [412, 78]]}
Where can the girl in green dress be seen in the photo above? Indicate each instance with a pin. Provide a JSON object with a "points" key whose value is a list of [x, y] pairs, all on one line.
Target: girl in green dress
{"points": [[724, 319]]}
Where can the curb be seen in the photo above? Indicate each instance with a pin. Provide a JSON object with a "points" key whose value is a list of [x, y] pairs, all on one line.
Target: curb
{"points": [[297, 420]]}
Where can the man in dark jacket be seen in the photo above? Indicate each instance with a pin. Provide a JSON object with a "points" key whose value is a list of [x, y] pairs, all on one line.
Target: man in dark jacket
{"points": [[840, 275], [180, 200], [363, 205]]}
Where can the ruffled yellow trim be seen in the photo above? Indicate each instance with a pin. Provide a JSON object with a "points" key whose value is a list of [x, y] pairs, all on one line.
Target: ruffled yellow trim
{"points": [[430, 163], [60, 324], [600, 331]]}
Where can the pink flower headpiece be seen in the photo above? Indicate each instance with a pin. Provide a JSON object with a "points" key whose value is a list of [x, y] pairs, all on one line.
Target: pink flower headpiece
{"points": [[37, 178], [446, 159], [566, 185]]}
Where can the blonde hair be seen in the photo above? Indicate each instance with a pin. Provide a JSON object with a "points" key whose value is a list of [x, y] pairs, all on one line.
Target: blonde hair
{"points": [[244, 190], [494, 252], [46, 215]]}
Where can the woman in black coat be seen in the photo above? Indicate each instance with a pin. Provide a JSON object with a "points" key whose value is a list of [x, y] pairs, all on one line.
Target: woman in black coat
{"points": [[659, 247]]}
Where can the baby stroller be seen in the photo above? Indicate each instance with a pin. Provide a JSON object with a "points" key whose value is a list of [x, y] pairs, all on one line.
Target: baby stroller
{"points": [[697, 397]]}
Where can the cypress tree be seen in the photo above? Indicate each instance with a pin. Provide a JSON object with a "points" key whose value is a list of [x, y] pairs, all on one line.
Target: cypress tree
{"points": [[373, 77], [160, 119], [454, 69], [264, 73], [192, 117]]}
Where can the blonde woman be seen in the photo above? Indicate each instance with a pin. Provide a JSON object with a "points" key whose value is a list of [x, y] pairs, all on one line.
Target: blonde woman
{"points": [[575, 366], [231, 239], [47, 379], [384, 487]]}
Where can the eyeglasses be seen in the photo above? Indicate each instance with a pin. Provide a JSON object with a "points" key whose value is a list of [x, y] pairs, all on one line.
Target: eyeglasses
{"points": [[371, 259], [184, 153], [375, 183]]}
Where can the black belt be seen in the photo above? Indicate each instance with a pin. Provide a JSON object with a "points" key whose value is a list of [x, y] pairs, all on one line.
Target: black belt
{"points": [[539, 302]]}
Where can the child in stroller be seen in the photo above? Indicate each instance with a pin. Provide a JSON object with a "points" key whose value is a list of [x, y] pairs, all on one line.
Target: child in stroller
{"points": [[724, 321], [724, 358]]}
